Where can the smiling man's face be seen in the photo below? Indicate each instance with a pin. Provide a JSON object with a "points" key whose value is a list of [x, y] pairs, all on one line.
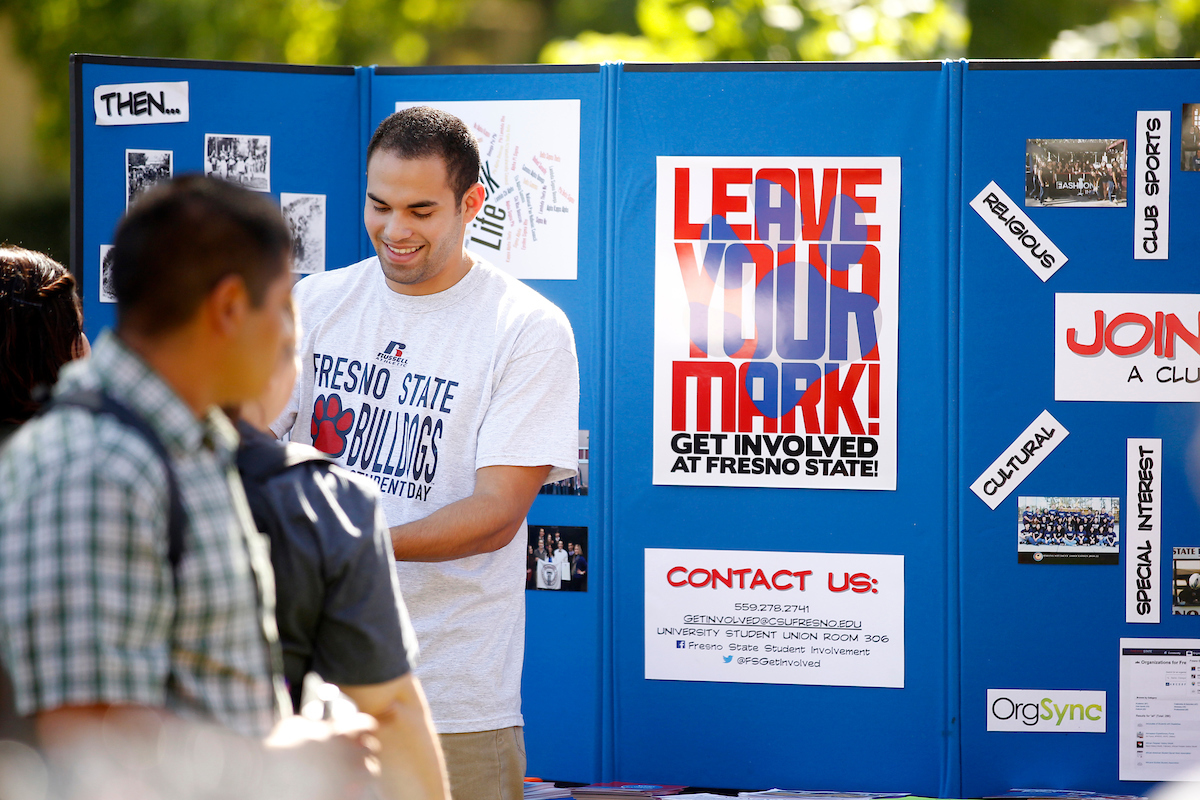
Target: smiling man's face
{"points": [[416, 226]]}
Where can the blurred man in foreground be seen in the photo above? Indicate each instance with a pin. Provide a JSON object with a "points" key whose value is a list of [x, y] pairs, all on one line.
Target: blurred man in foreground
{"points": [[134, 591]]}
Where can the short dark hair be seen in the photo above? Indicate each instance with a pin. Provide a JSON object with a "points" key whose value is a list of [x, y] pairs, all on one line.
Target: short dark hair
{"points": [[182, 238], [41, 321], [421, 132]]}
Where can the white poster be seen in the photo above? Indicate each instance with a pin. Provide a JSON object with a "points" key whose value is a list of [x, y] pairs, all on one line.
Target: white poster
{"points": [[105, 284], [1143, 534], [1017, 230], [305, 215], [786, 377], [1047, 711], [1019, 459], [529, 225], [145, 169], [1127, 347], [1159, 737], [1152, 185], [742, 616], [239, 158], [140, 103]]}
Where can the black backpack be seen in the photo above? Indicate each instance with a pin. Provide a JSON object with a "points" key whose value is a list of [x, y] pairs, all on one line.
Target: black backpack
{"points": [[257, 466]]}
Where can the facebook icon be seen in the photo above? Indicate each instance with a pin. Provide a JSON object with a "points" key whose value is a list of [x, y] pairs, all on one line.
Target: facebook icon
{"points": [[680, 644]]}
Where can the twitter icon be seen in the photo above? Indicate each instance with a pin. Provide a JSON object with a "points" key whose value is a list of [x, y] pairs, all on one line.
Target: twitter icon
{"points": [[727, 659]]}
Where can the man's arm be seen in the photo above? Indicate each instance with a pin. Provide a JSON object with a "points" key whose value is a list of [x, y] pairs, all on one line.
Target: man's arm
{"points": [[118, 733], [410, 754], [481, 523]]}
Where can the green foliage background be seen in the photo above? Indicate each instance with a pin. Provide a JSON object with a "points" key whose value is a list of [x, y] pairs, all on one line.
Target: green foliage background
{"points": [[409, 32]]}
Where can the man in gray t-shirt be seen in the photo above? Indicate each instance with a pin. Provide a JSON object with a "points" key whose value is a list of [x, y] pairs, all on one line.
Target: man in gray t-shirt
{"points": [[455, 388]]}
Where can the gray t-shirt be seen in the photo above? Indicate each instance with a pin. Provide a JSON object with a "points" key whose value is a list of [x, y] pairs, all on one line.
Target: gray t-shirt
{"points": [[417, 393]]}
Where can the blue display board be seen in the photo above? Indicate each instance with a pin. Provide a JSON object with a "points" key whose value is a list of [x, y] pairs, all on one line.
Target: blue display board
{"points": [[563, 678], [281, 102], [1057, 626], [319, 121], [740, 734], [1015, 214]]}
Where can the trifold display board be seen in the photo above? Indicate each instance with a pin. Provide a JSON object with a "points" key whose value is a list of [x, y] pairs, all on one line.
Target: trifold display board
{"points": [[721, 318], [1078, 376], [886, 376]]}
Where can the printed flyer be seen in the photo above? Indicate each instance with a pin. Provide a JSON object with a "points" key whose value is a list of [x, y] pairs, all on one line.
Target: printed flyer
{"points": [[1159, 735], [529, 225], [741, 616], [1131, 348], [786, 376]]}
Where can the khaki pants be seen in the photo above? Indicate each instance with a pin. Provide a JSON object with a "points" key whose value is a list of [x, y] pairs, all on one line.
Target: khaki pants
{"points": [[488, 765]]}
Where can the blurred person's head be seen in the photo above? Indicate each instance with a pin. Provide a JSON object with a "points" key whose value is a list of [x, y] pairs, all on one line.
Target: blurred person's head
{"points": [[262, 410], [41, 328], [201, 276]]}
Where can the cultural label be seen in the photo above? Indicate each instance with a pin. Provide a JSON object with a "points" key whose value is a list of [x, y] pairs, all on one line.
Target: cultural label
{"points": [[1021, 457]]}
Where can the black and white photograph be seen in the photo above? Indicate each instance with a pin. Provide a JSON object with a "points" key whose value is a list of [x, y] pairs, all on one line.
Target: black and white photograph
{"points": [[143, 169], [1185, 585], [305, 215], [107, 295], [557, 558], [242, 159], [1189, 138], [577, 485], [1069, 530], [1075, 172]]}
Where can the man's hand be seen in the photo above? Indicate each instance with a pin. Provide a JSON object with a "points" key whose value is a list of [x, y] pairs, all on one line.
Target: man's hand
{"points": [[95, 746], [341, 753], [482, 523], [410, 753]]}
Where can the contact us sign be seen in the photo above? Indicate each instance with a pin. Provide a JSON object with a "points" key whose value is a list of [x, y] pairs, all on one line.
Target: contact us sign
{"points": [[742, 616]]}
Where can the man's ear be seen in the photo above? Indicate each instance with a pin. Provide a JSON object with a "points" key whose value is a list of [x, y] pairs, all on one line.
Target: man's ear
{"points": [[472, 202], [226, 305]]}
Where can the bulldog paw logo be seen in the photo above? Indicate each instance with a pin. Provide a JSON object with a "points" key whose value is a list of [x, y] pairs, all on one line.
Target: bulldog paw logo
{"points": [[330, 424]]}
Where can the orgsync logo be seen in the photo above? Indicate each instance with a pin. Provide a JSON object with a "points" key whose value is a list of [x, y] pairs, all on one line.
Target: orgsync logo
{"points": [[1040, 711], [393, 353]]}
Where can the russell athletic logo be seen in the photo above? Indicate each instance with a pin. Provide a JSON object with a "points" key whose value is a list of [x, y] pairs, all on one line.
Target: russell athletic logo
{"points": [[393, 353], [1042, 711]]}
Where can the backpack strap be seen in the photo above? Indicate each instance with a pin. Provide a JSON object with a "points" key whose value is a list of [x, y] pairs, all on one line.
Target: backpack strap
{"points": [[99, 401]]}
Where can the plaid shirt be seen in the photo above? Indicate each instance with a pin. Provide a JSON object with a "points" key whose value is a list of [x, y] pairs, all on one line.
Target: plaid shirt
{"points": [[88, 610]]}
